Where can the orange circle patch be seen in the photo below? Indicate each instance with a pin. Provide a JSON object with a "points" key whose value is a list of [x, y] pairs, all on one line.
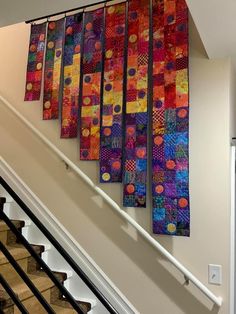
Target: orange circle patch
{"points": [[89, 26], [170, 164], [116, 165], [183, 202], [52, 25], [32, 48], [130, 188], [130, 131], [98, 45], [69, 30], [159, 189], [182, 113], [158, 140], [107, 131], [141, 152], [77, 48]]}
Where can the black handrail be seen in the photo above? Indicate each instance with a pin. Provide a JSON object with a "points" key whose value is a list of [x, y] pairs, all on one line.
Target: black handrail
{"points": [[13, 296], [26, 279], [42, 264], [60, 249]]}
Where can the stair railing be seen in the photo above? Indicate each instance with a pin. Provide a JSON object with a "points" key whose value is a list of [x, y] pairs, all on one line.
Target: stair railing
{"points": [[57, 246], [189, 277], [13, 296], [26, 278]]}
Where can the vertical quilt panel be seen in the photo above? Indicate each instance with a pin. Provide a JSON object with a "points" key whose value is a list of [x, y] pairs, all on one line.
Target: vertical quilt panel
{"points": [[170, 137], [91, 93], [52, 72], [71, 79], [35, 62], [136, 115], [112, 107]]}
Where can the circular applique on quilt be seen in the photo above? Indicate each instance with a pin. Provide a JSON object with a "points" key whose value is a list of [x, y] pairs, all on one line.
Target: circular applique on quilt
{"points": [[29, 86], [130, 188], [47, 104], [171, 228], [106, 176], [50, 44]]}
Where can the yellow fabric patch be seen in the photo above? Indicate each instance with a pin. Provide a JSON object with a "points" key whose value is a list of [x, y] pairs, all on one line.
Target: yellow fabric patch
{"points": [[86, 111]]}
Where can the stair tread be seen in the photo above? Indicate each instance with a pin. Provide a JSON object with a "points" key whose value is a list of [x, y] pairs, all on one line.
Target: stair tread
{"points": [[19, 252], [23, 291], [62, 310]]}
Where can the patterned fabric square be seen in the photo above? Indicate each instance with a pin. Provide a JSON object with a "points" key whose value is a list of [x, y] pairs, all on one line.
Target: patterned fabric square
{"points": [[52, 71], [112, 108], [91, 93], [71, 62], [170, 118], [136, 116], [35, 62]]}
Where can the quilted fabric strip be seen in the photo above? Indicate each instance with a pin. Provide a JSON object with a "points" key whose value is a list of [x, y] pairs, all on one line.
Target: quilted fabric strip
{"points": [[71, 62], [136, 115], [91, 94], [52, 72], [35, 62], [113, 98], [170, 115]]}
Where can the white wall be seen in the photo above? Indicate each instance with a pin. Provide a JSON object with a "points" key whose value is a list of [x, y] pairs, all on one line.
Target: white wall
{"points": [[147, 280]]}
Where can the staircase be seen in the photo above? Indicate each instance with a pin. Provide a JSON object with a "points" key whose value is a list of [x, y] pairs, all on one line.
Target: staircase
{"points": [[38, 277]]}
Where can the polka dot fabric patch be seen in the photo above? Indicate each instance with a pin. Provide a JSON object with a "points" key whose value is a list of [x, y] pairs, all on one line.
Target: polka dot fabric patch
{"points": [[71, 60], [112, 109], [170, 137], [91, 94], [35, 62], [136, 115], [52, 71]]}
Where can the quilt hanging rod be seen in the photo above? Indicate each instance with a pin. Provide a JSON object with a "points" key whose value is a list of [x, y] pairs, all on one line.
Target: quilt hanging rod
{"points": [[71, 10]]}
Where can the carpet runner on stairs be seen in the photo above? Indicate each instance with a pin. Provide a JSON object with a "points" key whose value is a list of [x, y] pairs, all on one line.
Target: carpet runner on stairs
{"points": [[38, 277]]}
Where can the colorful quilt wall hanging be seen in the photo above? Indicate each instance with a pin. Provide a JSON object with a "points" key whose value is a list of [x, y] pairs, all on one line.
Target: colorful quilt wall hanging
{"points": [[71, 78], [91, 92], [136, 114], [170, 135], [52, 71], [118, 77], [111, 146], [35, 62]]}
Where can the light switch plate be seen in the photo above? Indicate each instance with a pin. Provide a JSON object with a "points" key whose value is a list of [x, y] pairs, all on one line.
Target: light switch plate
{"points": [[215, 274]]}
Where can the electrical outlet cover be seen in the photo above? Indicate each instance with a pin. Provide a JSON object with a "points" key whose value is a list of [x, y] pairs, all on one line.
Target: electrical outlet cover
{"points": [[215, 274]]}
